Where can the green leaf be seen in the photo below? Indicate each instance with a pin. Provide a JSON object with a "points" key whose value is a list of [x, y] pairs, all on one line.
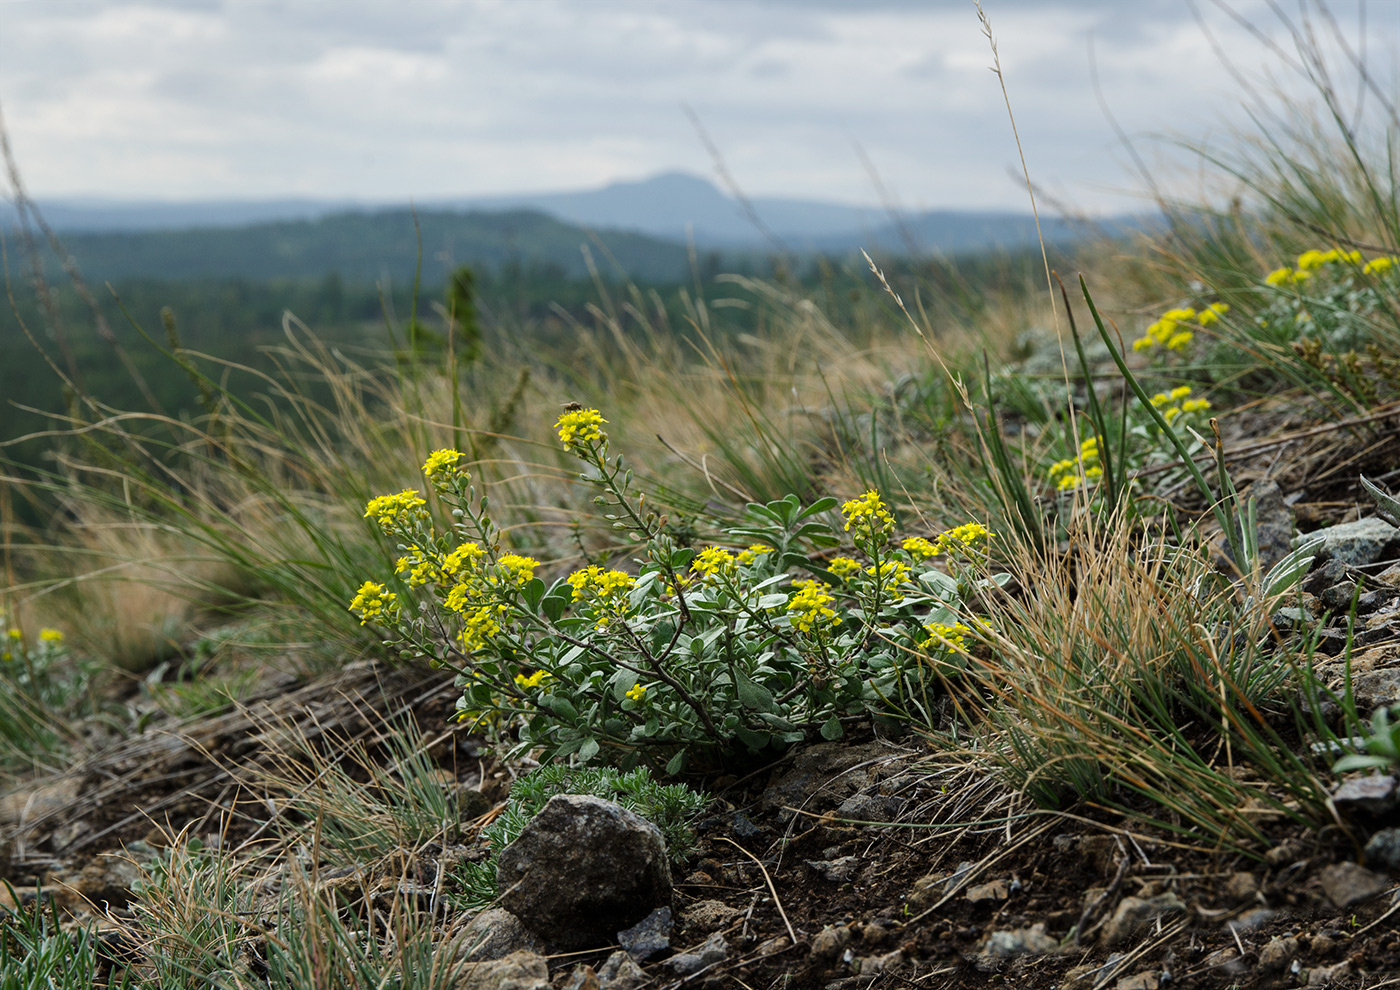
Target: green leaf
{"points": [[1358, 762], [534, 591], [753, 740], [820, 505], [562, 707], [553, 607], [832, 730], [752, 695], [676, 763], [588, 750], [622, 682]]}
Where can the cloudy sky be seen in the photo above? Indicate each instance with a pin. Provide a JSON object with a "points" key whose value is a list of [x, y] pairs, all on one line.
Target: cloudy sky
{"points": [[428, 99]]}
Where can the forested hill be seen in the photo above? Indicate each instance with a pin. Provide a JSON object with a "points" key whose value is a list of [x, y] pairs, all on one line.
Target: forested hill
{"points": [[367, 246]]}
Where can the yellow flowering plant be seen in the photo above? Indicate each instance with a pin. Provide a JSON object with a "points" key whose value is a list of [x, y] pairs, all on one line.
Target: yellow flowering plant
{"points": [[752, 641]]}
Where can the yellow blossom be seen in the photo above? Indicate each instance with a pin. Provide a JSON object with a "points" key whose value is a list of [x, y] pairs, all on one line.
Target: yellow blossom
{"points": [[950, 636], [440, 460], [387, 510], [1212, 314], [464, 557], [1279, 277], [713, 561], [843, 567], [1377, 266], [869, 516], [753, 553], [479, 625], [518, 570], [810, 609], [533, 681], [372, 603], [581, 426], [636, 691], [50, 635], [601, 584], [963, 537]]}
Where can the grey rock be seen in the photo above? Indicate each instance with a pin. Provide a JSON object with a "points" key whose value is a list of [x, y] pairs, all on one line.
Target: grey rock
{"points": [[620, 972], [837, 870], [1383, 850], [1009, 944], [714, 950], [870, 808], [648, 937], [1346, 884], [1357, 543], [996, 890], [1146, 980], [1225, 962], [496, 933], [1134, 912], [1375, 689], [1373, 795], [1277, 954], [1251, 921], [830, 942], [583, 870], [471, 803], [823, 775], [709, 916], [1326, 976], [1241, 886], [517, 971], [34, 801], [1338, 596]]}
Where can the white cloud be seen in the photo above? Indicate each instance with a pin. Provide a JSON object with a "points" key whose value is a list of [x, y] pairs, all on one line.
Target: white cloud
{"points": [[439, 98]]}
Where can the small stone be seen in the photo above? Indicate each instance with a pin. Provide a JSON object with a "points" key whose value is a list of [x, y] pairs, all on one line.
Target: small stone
{"points": [[1376, 689], [1346, 884], [1356, 543], [1325, 976], [743, 826], [517, 971], [1373, 795], [874, 935], [837, 870], [582, 870], [830, 942], [709, 916], [1019, 942], [1282, 854], [471, 803], [925, 893], [583, 978], [1146, 980], [621, 972], [714, 950], [872, 965], [1323, 944], [1242, 887], [1383, 850], [870, 808], [1225, 962], [1277, 954], [994, 891], [1251, 921], [494, 934], [1134, 912], [1338, 597], [649, 937]]}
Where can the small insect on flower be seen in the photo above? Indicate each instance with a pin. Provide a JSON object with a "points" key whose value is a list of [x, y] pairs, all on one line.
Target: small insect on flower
{"points": [[580, 427]]}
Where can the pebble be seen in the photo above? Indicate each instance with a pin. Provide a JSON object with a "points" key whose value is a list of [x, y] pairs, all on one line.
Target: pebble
{"points": [[1373, 795], [1383, 849], [1346, 884]]}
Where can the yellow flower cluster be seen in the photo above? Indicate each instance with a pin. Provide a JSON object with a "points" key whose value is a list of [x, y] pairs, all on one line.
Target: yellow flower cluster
{"points": [[480, 624], [843, 567], [597, 583], [1167, 402], [920, 548], [533, 681], [953, 637], [464, 558], [636, 691], [441, 460], [1173, 329], [581, 426], [372, 603], [713, 561], [810, 608], [1311, 261], [419, 567], [47, 635], [869, 517], [387, 510], [1381, 265], [753, 553], [517, 570], [1065, 473], [964, 537]]}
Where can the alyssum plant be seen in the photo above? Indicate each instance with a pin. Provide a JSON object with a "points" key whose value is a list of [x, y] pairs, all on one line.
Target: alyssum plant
{"points": [[695, 652]]}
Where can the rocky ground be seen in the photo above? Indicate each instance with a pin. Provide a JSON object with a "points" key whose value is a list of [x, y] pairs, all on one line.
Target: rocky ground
{"points": [[873, 862]]}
